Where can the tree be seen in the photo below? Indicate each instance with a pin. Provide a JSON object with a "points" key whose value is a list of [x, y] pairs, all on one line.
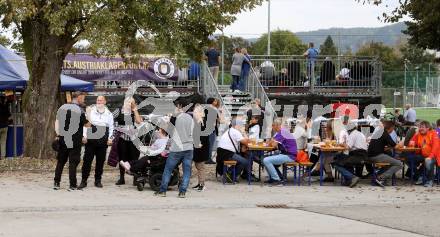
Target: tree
{"points": [[282, 42], [328, 47], [49, 29], [424, 27], [4, 41], [389, 59], [230, 43]]}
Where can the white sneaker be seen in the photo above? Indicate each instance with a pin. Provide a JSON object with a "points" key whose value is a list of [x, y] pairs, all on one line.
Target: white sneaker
{"points": [[237, 91]]}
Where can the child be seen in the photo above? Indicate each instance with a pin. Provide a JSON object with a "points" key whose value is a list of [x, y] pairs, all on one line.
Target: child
{"points": [[254, 128]]}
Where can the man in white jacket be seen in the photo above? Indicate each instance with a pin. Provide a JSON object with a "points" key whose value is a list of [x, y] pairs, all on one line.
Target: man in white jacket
{"points": [[97, 137]]}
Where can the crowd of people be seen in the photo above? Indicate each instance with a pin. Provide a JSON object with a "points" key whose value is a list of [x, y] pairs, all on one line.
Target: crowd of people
{"points": [[189, 135]]}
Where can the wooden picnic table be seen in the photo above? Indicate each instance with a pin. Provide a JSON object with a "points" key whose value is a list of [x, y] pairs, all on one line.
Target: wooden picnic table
{"points": [[326, 150], [411, 154], [255, 151]]}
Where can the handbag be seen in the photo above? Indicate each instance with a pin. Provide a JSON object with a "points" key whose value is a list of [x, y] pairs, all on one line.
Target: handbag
{"points": [[56, 144]]}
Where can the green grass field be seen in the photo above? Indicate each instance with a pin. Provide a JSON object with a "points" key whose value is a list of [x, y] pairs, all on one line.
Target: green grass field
{"points": [[429, 114]]}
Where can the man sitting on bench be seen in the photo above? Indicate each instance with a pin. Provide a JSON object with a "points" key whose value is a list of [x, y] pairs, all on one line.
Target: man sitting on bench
{"points": [[357, 146], [376, 152]]}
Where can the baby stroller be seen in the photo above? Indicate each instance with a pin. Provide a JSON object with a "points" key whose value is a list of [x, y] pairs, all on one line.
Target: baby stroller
{"points": [[153, 174]]}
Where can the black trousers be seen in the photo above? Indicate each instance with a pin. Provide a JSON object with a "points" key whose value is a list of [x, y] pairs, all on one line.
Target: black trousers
{"points": [[73, 155], [92, 150], [127, 152]]}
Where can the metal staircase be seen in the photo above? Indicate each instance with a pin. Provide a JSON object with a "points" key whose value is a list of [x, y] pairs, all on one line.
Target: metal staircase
{"points": [[236, 103]]}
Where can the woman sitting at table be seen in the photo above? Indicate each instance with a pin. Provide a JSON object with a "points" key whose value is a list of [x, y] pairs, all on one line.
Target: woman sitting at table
{"points": [[286, 144]]}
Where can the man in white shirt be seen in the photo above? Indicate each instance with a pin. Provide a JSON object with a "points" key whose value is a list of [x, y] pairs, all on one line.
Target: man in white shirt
{"points": [[357, 146], [229, 147], [98, 136]]}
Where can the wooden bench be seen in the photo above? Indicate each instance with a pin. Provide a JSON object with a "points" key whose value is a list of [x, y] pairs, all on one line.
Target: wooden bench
{"points": [[228, 165]]}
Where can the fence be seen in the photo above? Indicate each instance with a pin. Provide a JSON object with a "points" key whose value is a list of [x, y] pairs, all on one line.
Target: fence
{"points": [[419, 88], [322, 75]]}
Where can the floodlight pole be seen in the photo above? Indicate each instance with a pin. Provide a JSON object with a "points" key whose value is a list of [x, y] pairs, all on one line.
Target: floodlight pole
{"points": [[268, 27], [404, 86]]}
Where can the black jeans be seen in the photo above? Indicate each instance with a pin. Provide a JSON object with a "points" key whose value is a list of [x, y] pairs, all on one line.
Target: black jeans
{"points": [[92, 150], [73, 156]]}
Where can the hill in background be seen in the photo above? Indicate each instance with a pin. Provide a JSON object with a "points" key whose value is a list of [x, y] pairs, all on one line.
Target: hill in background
{"points": [[353, 38]]}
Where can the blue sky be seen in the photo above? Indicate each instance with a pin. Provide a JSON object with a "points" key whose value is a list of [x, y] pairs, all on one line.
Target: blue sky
{"points": [[307, 15]]}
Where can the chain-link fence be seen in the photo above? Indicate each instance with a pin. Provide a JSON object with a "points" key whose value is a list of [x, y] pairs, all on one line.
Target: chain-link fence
{"points": [[419, 88]]}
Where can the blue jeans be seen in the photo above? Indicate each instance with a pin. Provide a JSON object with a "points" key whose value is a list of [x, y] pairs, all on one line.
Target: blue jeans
{"points": [[344, 172], [235, 83], [270, 161], [429, 166], [174, 158], [242, 83], [242, 163], [211, 139]]}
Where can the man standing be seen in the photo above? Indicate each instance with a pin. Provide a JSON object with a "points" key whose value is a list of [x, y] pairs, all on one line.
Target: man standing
{"points": [[69, 129], [213, 57], [5, 120], [410, 115], [98, 138], [311, 54], [181, 149]]}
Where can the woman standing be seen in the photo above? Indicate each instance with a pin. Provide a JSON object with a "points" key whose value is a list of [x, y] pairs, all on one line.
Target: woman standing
{"points": [[98, 136], [127, 151], [237, 62], [245, 68], [201, 150]]}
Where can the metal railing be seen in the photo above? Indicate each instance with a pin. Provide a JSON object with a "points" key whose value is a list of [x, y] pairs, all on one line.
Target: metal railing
{"points": [[321, 75], [209, 88], [257, 91]]}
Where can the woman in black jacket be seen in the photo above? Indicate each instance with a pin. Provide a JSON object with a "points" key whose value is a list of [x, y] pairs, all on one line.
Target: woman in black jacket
{"points": [[201, 147]]}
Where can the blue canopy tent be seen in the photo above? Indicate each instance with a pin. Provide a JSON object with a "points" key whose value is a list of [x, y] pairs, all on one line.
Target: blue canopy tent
{"points": [[14, 74], [13, 70]]}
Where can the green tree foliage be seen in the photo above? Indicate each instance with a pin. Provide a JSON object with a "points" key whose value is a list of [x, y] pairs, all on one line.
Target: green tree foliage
{"points": [[49, 29], [328, 47], [389, 59], [4, 41], [392, 60], [230, 43], [424, 27], [387, 55], [282, 42]]}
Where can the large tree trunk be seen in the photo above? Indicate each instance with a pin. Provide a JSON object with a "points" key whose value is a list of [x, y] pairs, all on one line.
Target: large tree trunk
{"points": [[41, 99]]}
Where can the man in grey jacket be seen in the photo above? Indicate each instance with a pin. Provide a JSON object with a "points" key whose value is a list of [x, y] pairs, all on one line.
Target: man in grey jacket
{"points": [[181, 150]]}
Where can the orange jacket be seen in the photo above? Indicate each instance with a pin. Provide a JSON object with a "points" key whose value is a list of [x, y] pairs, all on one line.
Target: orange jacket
{"points": [[429, 144]]}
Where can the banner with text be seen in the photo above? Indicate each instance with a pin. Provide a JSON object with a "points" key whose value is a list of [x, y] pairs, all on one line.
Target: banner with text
{"points": [[90, 68]]}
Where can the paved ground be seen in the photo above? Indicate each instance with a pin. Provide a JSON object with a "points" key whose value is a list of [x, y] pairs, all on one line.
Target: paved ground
{"points": [[29, 207]]}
